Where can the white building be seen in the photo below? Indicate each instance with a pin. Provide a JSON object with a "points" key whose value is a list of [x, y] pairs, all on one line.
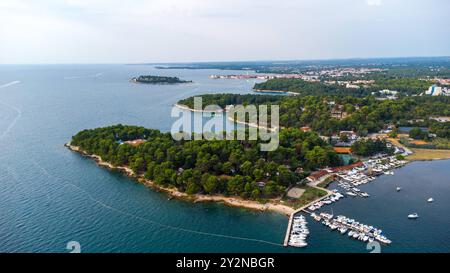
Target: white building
{"points": [[434, 91]]}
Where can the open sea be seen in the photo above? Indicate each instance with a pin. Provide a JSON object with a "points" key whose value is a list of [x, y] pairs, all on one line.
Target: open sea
{"points": [[50, 196]]}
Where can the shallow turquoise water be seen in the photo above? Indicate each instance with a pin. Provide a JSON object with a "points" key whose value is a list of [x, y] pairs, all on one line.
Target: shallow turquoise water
{"points": [[50, 196]]}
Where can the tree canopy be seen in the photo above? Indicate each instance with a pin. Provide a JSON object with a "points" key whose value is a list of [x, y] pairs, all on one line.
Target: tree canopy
{"points": [[228, 167]]}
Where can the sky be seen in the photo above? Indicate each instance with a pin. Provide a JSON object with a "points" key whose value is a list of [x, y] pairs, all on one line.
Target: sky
{"points": [[144, 31]]}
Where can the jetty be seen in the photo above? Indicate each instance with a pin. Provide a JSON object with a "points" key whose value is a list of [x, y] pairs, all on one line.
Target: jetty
{"points": [[356, 230], [303, 208]]}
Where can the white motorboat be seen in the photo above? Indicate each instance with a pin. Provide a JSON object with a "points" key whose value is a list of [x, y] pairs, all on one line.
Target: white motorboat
{"points": [[413, 216], [430, 200], [365, 194], [349, 193], [398, 188]]}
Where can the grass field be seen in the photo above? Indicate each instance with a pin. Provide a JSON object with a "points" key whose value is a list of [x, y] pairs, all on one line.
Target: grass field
{"points": [[423, 154], [428, 154]]}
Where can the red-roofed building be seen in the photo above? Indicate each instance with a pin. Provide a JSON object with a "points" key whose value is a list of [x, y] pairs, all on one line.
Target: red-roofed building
{"points": [[305, 129], [348, 167]]}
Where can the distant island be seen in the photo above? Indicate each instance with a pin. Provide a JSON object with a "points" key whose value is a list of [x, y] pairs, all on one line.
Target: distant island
{"points": [[149, 79]]}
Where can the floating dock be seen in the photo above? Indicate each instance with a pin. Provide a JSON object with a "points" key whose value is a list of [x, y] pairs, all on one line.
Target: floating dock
{"points": [[303, 208]]}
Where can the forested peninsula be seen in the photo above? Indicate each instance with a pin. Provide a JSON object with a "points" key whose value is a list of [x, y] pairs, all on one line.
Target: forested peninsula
{"points": [[230, 168]]}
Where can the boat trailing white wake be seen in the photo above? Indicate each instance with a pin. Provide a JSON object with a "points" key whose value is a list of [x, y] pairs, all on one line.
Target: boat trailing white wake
{"points": [[9, 84]]}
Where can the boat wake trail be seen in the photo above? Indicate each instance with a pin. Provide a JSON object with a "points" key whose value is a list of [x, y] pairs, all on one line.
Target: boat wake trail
{"points": [[148, 221], [17, 110], [13, 123], [9, 84]]}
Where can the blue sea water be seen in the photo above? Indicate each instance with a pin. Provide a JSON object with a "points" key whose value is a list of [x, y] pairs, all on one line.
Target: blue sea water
{"points": [[50, 196]]}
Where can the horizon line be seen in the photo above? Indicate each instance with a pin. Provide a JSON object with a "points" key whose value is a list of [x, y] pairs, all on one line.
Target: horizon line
{"points": [[234, 61]]}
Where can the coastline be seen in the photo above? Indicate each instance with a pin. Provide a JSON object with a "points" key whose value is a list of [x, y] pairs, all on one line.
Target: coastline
{"points": [[184, 107], [253, 125], [187, 108], [173, 192], [275, 91]]}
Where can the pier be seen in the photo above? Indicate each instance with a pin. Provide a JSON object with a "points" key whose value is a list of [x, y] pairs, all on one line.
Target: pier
{"points": [[303, 208], [356, 230]]}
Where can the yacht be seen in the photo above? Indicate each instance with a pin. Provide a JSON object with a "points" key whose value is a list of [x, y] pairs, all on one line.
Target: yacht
{"points": [[413, 216], [365, 194]]}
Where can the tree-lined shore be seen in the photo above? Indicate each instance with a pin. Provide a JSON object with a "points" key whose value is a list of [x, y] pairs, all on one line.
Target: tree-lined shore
{"points": [[232, 168]]}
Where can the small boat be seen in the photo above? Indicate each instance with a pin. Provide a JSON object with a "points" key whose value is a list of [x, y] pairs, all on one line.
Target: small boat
{"points": [[430, 200], [398, 188], [351, 193], [343, 230], [413, 216]]}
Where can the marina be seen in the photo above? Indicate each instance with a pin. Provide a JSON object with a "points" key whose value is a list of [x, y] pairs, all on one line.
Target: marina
{"points": [[299, 232], [348, 179], [356, 230]]}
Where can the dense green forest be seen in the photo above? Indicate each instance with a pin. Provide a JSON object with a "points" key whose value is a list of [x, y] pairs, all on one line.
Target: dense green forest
{"points": [[308, 88], [223, 100], [364, 115], [405, 86], [370, 147], [158, 79], [220, 166]]}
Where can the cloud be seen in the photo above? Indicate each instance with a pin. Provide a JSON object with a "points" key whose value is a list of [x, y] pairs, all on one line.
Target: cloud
{"points": [[373, 2], [102, 31]]}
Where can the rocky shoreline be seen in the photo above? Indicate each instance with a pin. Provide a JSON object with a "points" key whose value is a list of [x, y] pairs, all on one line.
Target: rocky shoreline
{"points": [[173, 192]]}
